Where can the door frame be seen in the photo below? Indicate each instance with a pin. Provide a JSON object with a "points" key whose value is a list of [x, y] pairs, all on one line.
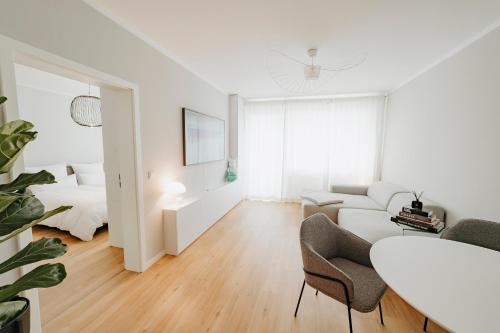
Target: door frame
{"points": [[13, 51]]}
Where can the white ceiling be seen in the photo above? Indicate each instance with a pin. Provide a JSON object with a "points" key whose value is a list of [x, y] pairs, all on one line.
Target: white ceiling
{"points": [[227, 41]]}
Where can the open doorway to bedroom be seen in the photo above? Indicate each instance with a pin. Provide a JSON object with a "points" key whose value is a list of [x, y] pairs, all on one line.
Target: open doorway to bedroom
{"points": [[71, 152], [96, 170], [74, 154]]}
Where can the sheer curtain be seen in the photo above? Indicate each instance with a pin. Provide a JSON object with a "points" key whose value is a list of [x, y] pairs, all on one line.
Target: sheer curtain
{"points": [[263, 155], [292, 147]]}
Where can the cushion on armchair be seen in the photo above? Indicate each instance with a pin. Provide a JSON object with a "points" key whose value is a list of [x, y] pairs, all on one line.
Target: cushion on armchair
{"points": [[369, 286]]}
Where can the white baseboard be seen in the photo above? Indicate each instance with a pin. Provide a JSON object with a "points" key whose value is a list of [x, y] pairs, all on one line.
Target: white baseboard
{"points": [[151, 261]]}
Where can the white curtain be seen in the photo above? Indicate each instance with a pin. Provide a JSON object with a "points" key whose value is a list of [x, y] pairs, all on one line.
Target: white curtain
{"points": [[292, 147], [263, 155]]}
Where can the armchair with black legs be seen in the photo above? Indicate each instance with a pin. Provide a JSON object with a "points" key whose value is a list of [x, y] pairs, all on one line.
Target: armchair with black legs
{"points": [[337, 263]]}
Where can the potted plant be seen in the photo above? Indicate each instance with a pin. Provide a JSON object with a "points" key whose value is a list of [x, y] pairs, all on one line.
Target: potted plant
{"points": [[19, 211]]}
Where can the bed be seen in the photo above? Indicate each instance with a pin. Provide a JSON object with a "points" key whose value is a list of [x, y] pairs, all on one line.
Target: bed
{"points": [[89, 210]]}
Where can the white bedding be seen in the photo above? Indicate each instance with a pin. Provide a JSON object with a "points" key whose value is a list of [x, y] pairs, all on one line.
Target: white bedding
{"points": [[89, 210]]}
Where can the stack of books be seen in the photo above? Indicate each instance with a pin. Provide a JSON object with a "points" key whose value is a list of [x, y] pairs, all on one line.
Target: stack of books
{"points": [[419, 219]]}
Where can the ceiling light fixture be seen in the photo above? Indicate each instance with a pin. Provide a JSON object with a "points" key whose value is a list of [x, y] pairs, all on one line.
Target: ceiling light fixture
{"points": [[85, 110], [298, 77]]}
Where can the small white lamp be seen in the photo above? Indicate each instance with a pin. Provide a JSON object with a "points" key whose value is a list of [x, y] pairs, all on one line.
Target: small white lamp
{"points": [[175, 189]]}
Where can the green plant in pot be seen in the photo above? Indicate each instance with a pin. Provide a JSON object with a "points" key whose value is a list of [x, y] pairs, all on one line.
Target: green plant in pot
{"points": [[19, 211]]}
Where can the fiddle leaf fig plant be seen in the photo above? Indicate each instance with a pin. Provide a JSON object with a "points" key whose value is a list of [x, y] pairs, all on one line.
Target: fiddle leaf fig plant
{"points": [[19, 211]]}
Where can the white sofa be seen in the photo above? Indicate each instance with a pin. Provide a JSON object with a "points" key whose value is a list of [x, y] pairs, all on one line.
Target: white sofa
{"points": [[374, 197], [367, 211]]}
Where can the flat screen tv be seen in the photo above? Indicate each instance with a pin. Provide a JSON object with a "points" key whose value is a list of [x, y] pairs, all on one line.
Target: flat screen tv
{"points": [[204, 137]]}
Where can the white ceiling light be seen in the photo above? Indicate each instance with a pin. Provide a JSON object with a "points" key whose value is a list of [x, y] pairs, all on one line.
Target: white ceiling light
{"points": [[298, 77]]}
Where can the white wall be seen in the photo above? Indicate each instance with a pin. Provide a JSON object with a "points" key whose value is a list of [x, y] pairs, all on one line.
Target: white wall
{"points": [[44, 99], [443, 132], [77, 32]]}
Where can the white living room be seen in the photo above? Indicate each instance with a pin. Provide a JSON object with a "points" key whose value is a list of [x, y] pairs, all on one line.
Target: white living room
{"points": [[306, 166]]}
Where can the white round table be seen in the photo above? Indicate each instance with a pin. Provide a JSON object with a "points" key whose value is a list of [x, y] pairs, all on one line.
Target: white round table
{"points": [[457, 285]]}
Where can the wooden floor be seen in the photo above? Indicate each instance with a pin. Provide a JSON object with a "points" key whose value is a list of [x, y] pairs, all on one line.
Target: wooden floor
{"points": [[243, 275]]}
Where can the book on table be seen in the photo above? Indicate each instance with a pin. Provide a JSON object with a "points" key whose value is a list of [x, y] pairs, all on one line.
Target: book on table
{"points": [[431, 219], [416, 211], [419, 219]]}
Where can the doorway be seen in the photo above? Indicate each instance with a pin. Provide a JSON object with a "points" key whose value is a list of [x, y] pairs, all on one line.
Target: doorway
{"points": [[120, 98], [71, 152], [120, 146], [95, 173]]}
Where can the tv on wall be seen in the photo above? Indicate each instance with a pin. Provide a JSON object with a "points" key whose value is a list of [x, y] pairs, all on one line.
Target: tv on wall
{"points": [[204, 137]]}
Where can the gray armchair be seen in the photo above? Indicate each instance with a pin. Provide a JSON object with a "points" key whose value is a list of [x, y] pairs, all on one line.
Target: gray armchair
{"points": [[337, 263], [475, 232]]}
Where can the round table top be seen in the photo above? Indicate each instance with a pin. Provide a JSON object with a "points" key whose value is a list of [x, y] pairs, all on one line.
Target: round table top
{"points": [[457, 285]]}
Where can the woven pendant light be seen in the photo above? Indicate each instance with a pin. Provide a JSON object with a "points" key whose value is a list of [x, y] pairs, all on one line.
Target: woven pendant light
{"points": [[86, 110], [303, 77]]}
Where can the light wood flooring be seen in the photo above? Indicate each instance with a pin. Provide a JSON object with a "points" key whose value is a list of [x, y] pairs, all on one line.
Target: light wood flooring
{"points": [[242, 275]]}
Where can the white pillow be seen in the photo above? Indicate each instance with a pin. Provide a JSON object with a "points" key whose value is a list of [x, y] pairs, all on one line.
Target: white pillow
{"points": [[93, 179], [68, 181], [58, 170], [87, 168], [323, 198]]}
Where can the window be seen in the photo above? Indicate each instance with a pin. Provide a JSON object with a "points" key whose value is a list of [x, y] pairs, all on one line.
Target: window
{"points": [[292, 147]]}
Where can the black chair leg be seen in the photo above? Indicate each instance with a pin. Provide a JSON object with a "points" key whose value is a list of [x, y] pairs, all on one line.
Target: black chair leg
{"points": [[425, 324], [300, 297], [350, 319], [316, 292], [380, 311]]}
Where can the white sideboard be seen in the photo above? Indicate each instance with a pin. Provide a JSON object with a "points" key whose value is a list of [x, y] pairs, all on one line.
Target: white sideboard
{"points": [[184, 222]]}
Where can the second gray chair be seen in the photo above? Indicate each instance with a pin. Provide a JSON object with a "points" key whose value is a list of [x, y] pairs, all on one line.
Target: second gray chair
{"points": [[475, 232], [337, 263]]}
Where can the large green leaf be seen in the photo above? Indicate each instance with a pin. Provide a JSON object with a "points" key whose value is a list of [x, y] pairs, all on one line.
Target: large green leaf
{"points": [[16, 127], [6, 200], [10, 310], [43, 276], [26, 179], [42, 249], [11, 147], [20, 212], [29, 225]]}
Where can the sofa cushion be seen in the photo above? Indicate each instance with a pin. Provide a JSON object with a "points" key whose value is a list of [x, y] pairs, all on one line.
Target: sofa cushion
{"points": [[371, 225], [382, 192], [322, 198], [398, 201], [350, 189], [350, 201]]}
